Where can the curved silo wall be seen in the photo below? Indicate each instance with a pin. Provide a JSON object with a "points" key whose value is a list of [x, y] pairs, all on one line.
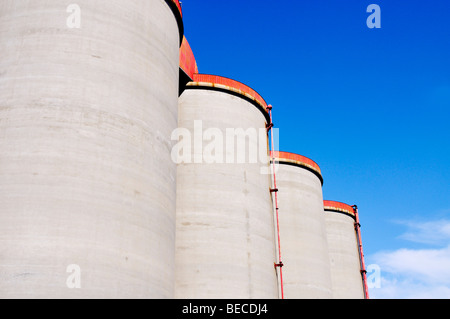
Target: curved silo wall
{"points": [[304, 250], [86, 177], [344, 253], [225, 232]]}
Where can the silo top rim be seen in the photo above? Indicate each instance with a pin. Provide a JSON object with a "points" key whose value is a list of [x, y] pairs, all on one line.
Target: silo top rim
{"points": [[227, 84], [299, 160], [175, 6], [178, 4], [338, 207]]}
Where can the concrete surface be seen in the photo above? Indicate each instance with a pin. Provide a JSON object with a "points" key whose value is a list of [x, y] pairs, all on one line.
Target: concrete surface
{"points": [[225, 232], [344, 256], [304, 249], [86, 176]]}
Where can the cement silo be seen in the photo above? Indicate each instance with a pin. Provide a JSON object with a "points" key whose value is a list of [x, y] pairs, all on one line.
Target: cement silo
{"points": [[346, 257], [88, 102], [304, 250], [225, 230]]}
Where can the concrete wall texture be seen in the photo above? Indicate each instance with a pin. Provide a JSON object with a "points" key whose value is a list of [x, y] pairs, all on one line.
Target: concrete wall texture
{"points": [[344, 257], [86, 176], [225, 231], [304, 247], [92, 201]]}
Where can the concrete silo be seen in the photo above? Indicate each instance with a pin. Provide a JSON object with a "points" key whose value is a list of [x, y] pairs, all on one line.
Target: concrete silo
{"points": [[346, 255], [304, 251], [225, 245], [88, 102]]}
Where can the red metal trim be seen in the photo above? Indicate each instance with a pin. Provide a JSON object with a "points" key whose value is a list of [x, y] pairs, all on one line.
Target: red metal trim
{"points": [[299, 160], [229, 84], [338, 207], [187, 59]]}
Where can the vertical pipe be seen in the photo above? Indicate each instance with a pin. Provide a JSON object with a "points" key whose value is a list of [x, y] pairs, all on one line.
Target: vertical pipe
{"points": [[279, 264], [361, 252]]}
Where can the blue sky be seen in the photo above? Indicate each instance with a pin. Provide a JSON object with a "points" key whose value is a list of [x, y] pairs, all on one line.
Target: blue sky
{"points": [[370, 106]]}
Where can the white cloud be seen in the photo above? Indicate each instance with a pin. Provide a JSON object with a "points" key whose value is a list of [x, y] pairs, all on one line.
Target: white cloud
{"points": [[427, 265], [429, 232], [393, 288], [416, 273]]}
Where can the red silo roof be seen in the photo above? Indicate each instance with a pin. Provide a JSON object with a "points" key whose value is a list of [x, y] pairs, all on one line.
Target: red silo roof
{"points": [[227, 84], [338, 207], [300, 160], [187, 59]]}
